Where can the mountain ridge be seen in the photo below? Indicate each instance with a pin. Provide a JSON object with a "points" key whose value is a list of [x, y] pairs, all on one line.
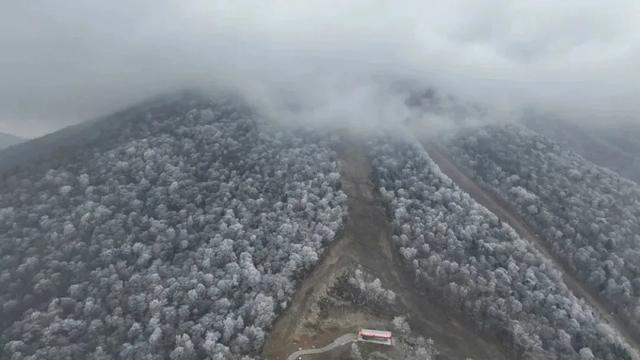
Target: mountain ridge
{"points": [[7, 140], [94, 132]]}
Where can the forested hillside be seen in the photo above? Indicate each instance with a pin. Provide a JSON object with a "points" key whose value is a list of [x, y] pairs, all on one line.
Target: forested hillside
{"points": [[589, 216], [480, 266], [181, 228], [179, 235]]}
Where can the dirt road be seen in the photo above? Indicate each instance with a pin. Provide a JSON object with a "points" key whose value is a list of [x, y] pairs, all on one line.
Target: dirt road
{"points": [[340, 341], [366, 242], [503, 211]]}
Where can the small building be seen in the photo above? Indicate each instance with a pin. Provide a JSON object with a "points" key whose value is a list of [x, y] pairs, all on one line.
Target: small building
{"points": [[375, 336]]}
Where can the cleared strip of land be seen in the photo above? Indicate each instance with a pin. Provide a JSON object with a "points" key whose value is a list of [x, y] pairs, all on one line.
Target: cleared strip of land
{"points": [[503, 211], [366, 242]]}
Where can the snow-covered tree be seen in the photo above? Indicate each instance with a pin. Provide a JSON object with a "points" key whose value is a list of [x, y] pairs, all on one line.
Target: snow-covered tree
{"points": [[477, 264], [180, 235]]}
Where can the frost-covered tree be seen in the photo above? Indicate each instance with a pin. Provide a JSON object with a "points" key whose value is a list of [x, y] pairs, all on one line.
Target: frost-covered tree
{"points": [[182, 235], [460, 251], [588, 215]]}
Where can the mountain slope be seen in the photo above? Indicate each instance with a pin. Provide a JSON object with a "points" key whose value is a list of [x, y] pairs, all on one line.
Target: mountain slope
{"points": [[181, 228], [589, 216], [324, 307], [49, 150], [479, 265], [7, 140], [504, 212], [175, 229]]}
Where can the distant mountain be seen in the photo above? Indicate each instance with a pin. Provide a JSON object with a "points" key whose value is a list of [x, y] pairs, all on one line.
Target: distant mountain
{"points": [[7, 140], [613, 147]]}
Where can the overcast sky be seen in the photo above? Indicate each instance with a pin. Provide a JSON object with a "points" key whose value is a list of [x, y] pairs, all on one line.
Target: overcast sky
{"points": [[65, 61]]}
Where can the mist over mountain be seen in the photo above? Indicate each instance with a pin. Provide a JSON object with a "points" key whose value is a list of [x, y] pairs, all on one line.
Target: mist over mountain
{"points": [[66, 62], [611, 146], [214, 179], [7, 140], [183, 227]]}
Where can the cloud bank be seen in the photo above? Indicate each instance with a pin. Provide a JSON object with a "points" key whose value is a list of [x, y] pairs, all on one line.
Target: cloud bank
{"points": [[66, 61]]}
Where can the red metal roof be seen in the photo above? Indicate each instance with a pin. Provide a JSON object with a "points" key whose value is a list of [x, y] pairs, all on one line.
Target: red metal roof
{"points": [[375, 333]]}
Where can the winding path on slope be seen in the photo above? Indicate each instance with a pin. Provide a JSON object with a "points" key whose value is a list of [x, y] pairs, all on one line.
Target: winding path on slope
{"points": [[340, 341], [502, 211]]}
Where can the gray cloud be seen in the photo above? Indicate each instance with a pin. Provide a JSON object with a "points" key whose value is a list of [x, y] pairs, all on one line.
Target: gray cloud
{"points": [[65, 61]]}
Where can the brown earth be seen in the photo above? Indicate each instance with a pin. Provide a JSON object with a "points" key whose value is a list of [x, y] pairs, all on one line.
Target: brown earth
{"points": [[366, 242]]}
